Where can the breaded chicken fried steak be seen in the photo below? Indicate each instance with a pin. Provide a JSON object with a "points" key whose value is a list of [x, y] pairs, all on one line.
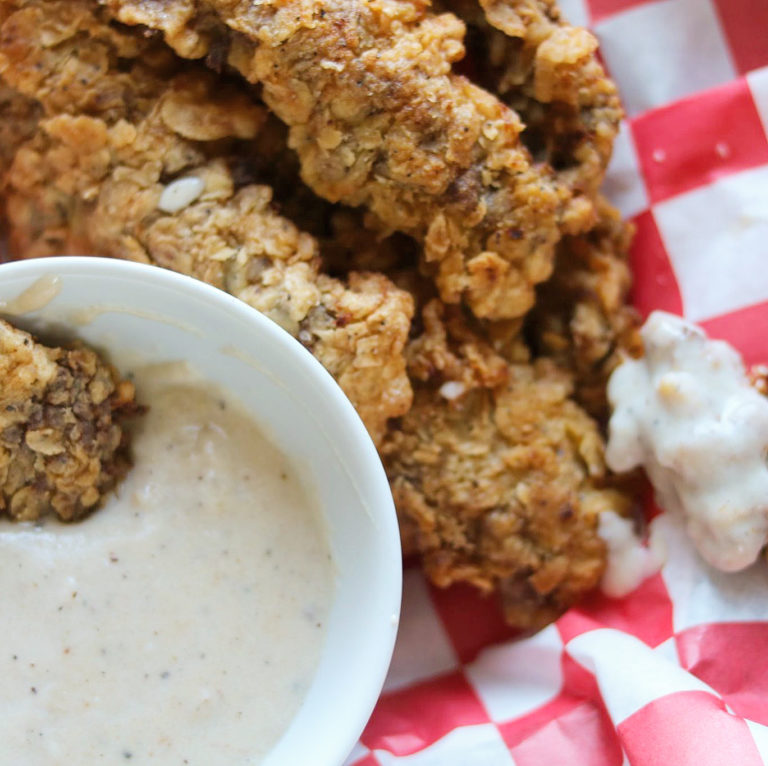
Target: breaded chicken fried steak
{"points": [[498, 476]]}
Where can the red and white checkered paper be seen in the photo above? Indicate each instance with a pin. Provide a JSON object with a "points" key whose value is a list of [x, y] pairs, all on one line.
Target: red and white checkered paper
{"points": [[676, 673]]}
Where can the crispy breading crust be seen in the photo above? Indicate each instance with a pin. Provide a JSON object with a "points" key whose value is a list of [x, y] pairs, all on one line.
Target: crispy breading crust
{"points": [[61, 445], [582, 318], [349, 239], [93, 184], [41, 41], [497, 475], [18, 121], [548, 72], [379, 119]]}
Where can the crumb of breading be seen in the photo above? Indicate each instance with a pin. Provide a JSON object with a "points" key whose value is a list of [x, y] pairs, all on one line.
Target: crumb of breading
{"points": [[62, 449], [502, 485], [366, 320]]}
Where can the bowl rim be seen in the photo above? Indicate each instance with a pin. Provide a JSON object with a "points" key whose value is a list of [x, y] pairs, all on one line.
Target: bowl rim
{"points": [[377, 490]]}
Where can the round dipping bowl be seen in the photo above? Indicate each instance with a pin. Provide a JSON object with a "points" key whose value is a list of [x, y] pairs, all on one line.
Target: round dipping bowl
{"points": [[133, 311]]}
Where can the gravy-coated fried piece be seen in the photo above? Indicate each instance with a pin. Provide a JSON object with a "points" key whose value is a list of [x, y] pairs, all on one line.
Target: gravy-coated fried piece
{"points": [[497, 474], [160, 181], [61, 445]]}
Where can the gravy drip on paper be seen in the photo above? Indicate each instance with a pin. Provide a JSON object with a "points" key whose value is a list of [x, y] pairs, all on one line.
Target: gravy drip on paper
{"points": [[687, 413], [629, 562], [183, 622]]}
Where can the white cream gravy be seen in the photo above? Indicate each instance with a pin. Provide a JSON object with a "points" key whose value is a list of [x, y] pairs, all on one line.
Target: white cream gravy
{"points": [[181, 623], [629, 562]]}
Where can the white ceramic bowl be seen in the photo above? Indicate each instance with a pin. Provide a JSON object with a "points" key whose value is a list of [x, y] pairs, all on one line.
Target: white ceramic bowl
{"points": [[133, 311]]}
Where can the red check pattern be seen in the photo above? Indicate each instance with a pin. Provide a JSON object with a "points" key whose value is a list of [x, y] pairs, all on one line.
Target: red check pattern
{"points": [[676, 673]]}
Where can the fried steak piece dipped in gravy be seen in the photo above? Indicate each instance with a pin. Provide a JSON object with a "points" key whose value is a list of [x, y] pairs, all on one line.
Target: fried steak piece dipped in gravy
{"points": [[62, 448]]}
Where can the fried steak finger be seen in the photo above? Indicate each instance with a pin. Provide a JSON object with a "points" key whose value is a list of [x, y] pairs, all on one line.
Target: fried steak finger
{"points": [[158, 181], [62, 448], [379, 119], [498, 477]]}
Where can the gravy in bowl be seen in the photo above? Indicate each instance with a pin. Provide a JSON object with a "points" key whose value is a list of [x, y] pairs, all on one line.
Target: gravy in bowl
{"points": [[183, 622]]}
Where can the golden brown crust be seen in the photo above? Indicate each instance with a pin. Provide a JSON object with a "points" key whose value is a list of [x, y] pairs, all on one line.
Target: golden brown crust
{"points": [[93, 183], [497, 474], [61, 445], [41, 42], [582, 318], [379, 119], [548, 72], [349, 239], [366, 322]]}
